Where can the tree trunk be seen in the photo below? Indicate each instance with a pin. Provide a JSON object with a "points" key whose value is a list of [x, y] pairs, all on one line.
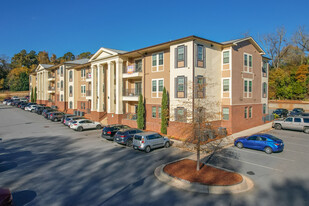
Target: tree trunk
{"points": [[198, 149]]}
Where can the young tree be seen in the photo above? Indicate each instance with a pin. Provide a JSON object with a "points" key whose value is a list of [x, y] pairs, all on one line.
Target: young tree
{"points": [[35, 94], [32, 96], [140, 113], [164, 112]]}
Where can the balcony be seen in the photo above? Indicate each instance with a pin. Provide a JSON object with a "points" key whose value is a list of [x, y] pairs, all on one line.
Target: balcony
{"points": [[51, 77], [132, 71], [88, 77], [51, 89], [130, 116], [131, 94]]}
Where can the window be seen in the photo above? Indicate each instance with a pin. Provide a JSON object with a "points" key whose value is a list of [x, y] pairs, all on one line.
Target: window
{"points": [[250, 60], [264, 108], [61, 83], [246, 60], [199, 87], [264, 90], [226, 85], [297, 120], [138, 65], [180, 87], [71, 75], [246, 112], [252, 138], [61, 70], [61, 97], [157, 87], [247, 88], [226, 113], [71, 105], [83, 90], [154, 85], [290, 119], [180, 114], [83, 73], [226, 57], [250, 112], [58, 85], [159, 112], [70, 91], [264, 68], [154, 112], [154, 60], [181, 53], [200, 51], [306, 120], [58, 71], [160, 58]]}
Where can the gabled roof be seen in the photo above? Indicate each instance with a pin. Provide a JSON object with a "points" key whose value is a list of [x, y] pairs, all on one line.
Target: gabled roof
{"points": [[105, 52], [78, 61], [44, 66], [253, 42]]}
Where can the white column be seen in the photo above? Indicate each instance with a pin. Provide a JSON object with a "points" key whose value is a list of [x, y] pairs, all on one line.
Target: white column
{"points": [[99, 88], [109, 86], [119, 106], [92, 89]]}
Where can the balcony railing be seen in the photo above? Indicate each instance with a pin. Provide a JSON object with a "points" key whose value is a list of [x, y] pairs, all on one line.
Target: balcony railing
{"points": [[130, 116], [132, 69], [88, 93], [132, 92], [88, 75], [51, 88]]}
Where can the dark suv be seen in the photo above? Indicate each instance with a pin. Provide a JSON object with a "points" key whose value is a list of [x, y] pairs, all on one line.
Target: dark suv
{"points": [[281, 112], [109, 131], [297, 111], [56, 116], [125, 136]]}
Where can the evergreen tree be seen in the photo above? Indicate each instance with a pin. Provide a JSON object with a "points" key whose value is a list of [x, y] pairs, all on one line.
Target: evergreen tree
{"points": [[34, 95], [164, 112], [140, 113]]}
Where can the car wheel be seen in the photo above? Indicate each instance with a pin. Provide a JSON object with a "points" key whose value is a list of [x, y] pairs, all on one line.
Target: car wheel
{"points": [[79, 129], [129, 143], [306, 130], [98, 126], [167, 145], [56, 120], [268, 150], [278, 126], [135, 147], [239, 145], [147, 149]]}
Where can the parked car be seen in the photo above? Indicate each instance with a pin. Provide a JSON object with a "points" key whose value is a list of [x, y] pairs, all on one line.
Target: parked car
{"points": [[125, 136], [24, 100], [9, 102], [15, 97], [66, 116], [264, 142], [27, 107], [82, 124], [281, 112], [40, 109], [46, 112], [296, 111], [22, 106], [6, 198], [5, 101], [109, 131], [300, 123], [15, 103], [149, 140], [68, 121], [56, 116]]}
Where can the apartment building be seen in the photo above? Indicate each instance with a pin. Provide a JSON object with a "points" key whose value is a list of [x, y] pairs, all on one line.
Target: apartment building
{"points": [[228, 81]]}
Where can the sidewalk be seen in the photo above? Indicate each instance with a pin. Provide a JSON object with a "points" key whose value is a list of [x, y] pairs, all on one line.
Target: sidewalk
{"points": [[224, 142]]}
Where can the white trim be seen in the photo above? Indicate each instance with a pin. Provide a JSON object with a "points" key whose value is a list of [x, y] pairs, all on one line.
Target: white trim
{"points": [[247, 62], [157, 80], [157, 61], [247, 79], [222, 92], [83, 91]]}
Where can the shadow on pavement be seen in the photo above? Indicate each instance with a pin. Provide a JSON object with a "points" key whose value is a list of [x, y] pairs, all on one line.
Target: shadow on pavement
{"points": [[21, 198]]}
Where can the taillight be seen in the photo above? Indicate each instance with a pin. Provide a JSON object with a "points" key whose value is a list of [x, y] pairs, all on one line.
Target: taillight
{"points": [[277, 144], [122, 136], [75, 124], [109, 132], [143, 140]]}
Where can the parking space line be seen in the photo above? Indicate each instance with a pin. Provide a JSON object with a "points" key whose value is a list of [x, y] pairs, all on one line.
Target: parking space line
{"points": [[249, 163], [266, 155]]}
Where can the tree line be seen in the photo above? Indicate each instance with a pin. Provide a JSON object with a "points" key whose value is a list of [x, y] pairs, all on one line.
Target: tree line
{"points": [[14, 72], [289, 67]]}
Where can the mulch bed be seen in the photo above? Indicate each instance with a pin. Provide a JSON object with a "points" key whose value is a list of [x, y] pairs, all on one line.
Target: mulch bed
{"points": [[186, 170]]}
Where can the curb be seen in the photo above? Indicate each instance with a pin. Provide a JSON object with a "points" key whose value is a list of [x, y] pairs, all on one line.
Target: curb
{"points": [[246, 185]]}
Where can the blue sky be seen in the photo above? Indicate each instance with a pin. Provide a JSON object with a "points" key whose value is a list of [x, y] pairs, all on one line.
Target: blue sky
{"points": [[79, 26]]}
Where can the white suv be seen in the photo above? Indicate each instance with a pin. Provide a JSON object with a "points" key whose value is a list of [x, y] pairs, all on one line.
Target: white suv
{"points": [[293, 123], [149, 140]]}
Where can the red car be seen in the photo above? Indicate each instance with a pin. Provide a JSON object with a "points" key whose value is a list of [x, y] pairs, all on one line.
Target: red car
{"points": [[5, 197]]}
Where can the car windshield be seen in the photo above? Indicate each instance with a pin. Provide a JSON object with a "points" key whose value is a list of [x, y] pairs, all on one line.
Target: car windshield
{"points": [[74, 122], [273, 138], [120, 133], [137, 137]]}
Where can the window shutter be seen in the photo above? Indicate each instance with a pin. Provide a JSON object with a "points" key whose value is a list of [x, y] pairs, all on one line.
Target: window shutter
{"points": [[204, 87], [195, 87], [176, 88], [204, 56], [196, 55], [176, 58], [185, 56], [185, 85]]}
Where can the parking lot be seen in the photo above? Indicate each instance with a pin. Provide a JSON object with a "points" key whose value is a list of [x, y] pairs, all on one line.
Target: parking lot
{"points": [[45, 163]]}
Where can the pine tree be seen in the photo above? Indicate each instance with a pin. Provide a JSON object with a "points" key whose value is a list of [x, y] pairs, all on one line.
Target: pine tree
{"points": [[140, 113], [35, 94], [164, 112]]}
